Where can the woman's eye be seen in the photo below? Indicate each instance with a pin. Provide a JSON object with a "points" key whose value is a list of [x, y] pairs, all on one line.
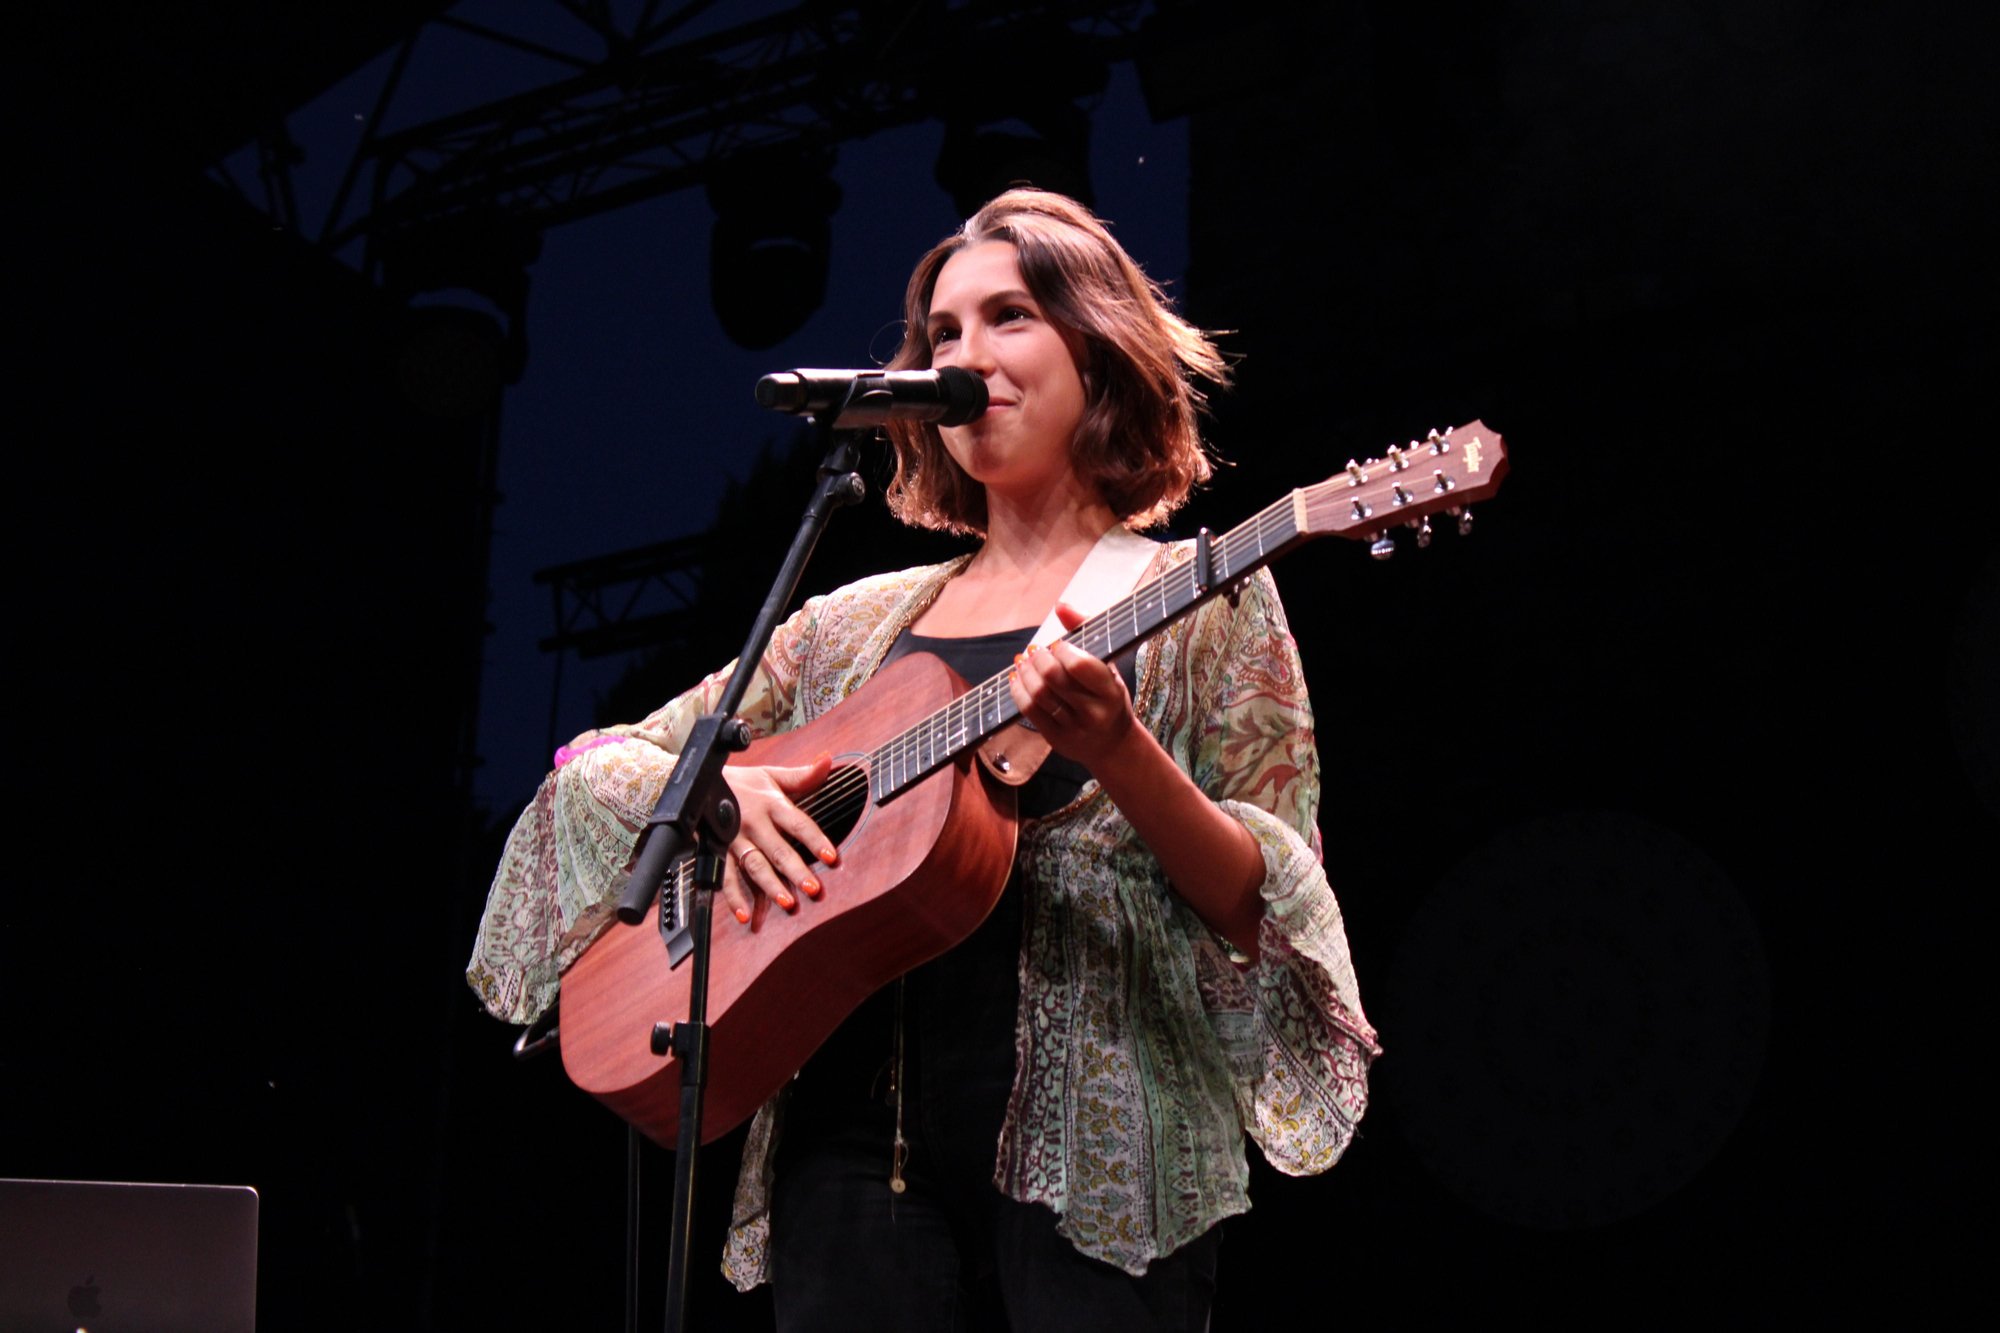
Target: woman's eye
{"points": [[1010, 314], [943, 336]]}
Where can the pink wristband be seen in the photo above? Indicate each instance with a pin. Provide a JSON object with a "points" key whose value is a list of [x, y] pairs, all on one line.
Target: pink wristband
{"points": [[569, 752]]}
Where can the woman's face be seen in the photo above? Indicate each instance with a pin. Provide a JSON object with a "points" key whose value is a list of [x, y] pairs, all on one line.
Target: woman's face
{"points": [[983, 320]]}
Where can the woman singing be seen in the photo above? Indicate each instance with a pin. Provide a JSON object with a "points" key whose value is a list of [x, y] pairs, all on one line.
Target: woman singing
{"points": [[1043, 1128]]}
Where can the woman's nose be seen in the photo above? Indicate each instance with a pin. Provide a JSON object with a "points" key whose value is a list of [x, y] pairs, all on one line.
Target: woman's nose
{"points": [[975, 350]]}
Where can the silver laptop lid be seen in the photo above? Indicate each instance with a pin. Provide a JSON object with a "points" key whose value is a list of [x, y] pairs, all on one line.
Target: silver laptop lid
{"points": [[116, 1258]]}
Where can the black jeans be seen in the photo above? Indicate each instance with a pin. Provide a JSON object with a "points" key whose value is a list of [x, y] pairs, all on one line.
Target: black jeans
{"points": [[951, 1254]]}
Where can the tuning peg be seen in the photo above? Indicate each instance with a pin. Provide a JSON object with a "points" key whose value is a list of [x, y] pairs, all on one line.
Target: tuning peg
{"points": [[1437, 442], [1464, 517], [1396, 460], [1383, 546], [1422, 527]]}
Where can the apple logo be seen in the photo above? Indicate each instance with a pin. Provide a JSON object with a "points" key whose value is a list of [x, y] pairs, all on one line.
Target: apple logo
{"points": [[83, 1300]]}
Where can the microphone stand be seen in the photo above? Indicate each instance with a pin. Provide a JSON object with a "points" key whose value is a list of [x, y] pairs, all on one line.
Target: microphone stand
{"points": [[698, 812]]}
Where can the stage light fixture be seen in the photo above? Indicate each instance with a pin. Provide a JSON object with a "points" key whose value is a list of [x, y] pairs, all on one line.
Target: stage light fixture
{"points": [[1203, 54], [976, 164], [772, 241], [453, 359], [1012, 117]]}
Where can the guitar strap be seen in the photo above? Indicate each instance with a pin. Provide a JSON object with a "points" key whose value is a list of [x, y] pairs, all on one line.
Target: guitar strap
{"points": [[1111, 570]]}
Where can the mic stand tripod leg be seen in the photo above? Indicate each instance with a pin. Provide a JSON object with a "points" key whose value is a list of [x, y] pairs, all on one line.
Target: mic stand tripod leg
{"points": [[689, 1043]]}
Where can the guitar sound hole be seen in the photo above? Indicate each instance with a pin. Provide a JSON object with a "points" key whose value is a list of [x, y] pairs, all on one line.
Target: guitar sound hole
{"points": [[837, 807]]}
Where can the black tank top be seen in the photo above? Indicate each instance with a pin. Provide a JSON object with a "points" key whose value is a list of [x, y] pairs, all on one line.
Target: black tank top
{"points": [[960, 1007]]}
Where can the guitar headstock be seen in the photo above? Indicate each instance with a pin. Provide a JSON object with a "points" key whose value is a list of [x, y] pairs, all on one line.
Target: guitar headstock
{"points": [[1445, 472]]}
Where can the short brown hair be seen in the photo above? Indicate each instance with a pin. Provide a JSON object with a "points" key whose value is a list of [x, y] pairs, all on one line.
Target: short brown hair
{"points": [[1139, 439]]}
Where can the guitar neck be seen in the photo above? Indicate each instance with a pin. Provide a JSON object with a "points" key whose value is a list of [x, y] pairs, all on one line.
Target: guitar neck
{"points": [[988, 706], [1444, 472]]}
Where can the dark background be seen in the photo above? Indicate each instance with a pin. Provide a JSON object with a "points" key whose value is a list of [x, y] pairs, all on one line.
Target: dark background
{"points": [[1715, 672]]}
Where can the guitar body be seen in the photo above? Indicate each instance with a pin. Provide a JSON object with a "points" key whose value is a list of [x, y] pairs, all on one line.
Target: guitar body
{"points": [[917, 874]]}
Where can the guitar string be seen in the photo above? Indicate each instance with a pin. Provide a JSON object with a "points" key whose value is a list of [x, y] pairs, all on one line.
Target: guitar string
{"points": [[955, 717]]}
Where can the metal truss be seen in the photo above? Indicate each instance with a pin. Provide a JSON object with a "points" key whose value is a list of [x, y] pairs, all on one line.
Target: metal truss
{"points": [[649, 115], [629, 599]]}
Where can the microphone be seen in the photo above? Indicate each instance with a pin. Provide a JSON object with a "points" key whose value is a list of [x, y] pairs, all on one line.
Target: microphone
{"points": [[949, 397]]}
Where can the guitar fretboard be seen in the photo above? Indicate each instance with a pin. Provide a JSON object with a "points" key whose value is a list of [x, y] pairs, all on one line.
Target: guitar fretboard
{"points": [[989, 705]]}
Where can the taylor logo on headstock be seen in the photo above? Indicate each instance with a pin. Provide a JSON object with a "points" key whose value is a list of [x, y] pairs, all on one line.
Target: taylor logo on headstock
{"points": [[1445, 472]]}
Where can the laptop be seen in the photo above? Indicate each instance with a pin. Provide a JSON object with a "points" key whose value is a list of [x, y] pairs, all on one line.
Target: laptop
{"points": [[115, 1258]]}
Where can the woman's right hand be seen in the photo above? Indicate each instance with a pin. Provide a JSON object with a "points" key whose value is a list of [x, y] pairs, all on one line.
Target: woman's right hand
{"points": [[763, 865]]}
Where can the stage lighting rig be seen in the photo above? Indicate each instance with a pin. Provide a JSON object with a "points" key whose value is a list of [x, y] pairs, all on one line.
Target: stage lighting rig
{"points": [[650, 115], [468, 337], [640, 107]]}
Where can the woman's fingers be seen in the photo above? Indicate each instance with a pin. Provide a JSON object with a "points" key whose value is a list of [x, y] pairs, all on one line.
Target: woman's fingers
{"points": [[738, 899], [785, 871], [802, 781], [765, 863], [756, 867], [1092, 676], [1062, 678], [797, 784], [1038, 685], [1076, 700]]}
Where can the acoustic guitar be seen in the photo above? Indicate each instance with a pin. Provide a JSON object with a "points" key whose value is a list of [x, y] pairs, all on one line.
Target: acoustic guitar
{"points": [[920, 803]]}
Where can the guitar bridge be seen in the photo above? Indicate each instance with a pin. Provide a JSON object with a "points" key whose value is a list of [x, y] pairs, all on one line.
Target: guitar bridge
{"points": [[673, 913]]}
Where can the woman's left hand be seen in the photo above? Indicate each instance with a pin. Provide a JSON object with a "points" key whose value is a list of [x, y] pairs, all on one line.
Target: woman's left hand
{"points": [[1082, 706], [1078, 703]]}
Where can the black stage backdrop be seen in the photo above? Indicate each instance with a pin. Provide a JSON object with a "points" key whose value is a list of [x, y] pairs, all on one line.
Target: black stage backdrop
{"points": [[1661, 805]]}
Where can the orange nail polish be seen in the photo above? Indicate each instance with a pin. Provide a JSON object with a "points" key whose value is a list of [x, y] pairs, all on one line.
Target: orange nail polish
{"points": [[810, 886], [830, 856], [1019, 656], [786, 901], [743, 916]]}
